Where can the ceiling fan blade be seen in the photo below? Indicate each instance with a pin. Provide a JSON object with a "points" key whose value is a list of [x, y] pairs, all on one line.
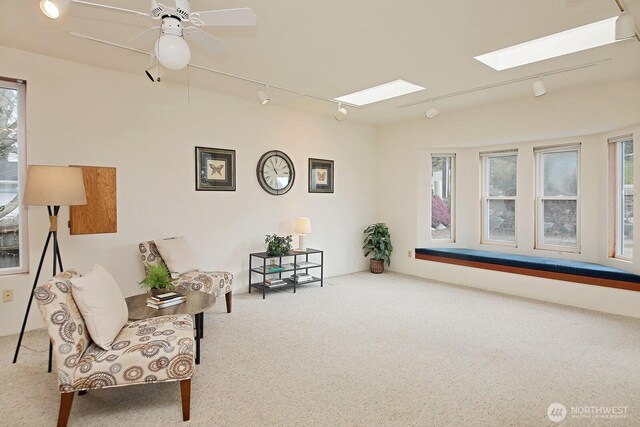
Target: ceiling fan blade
{"points": [[241, 17], [104, 6], [145, 36], [206, 40]]}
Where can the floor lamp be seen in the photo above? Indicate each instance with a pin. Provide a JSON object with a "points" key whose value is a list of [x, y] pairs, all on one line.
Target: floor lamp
{"points": [[51, 186]]}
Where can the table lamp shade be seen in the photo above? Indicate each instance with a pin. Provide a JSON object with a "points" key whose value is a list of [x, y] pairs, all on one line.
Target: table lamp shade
{"points": [[303, 226], [54, 186]]}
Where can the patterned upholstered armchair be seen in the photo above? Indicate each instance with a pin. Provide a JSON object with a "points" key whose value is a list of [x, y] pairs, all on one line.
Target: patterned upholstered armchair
{"points": [[147, 351], [214, 282]]}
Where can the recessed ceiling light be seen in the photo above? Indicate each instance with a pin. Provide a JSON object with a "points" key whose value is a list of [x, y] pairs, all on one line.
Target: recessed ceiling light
{"points": [[575, 40], [380, 93], [49, 9]]}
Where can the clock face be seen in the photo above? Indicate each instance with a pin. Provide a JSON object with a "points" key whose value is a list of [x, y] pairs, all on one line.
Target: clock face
{"points": [[275, 172]]}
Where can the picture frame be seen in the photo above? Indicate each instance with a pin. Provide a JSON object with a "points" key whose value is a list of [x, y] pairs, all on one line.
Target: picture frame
{"points": [[215, 169], [321, 176]]}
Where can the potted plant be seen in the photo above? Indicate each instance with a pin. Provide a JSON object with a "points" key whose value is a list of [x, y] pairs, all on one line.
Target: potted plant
{"points": [[278, 246], [158, 279], [378, 242]]}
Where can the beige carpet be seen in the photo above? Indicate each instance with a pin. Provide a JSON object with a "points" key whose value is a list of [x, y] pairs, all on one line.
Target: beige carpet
{"points": [[366, 350]]}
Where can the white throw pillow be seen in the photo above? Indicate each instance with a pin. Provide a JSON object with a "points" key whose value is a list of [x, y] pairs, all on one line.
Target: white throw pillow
{"points": [[178, 256], [101, 304]]}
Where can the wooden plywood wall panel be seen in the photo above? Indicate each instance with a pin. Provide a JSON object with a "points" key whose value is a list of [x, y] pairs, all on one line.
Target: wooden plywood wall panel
{"points": [[100, 214]]}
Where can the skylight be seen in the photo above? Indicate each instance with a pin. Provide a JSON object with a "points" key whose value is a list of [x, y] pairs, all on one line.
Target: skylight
{"points": [[575, 40], [380, 93]]}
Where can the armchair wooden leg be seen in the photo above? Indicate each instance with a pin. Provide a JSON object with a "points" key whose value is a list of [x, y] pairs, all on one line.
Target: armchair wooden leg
{"points": [[66, 399], [185, 393], [228, 297]]}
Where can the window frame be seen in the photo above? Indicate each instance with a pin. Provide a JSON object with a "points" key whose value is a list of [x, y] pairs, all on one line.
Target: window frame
{"points": [[485, 198], [541, 198], [616, 165], [23, 228], [452, 187]]}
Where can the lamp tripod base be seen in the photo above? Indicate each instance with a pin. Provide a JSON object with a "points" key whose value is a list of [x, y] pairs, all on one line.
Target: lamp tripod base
{"points": [[57, 262]]}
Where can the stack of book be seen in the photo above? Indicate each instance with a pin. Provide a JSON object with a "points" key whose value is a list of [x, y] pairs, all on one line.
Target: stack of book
{"points": [[165, 300], [272, 283], [301, 278]]}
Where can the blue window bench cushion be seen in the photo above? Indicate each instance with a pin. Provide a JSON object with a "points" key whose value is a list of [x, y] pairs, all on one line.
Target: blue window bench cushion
{"points": [[577, 271]]}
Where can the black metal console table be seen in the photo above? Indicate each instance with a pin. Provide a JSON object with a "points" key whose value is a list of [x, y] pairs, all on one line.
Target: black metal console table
{"points": [[274, 267]]}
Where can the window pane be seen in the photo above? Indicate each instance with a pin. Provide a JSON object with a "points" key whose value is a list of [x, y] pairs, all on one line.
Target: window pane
{"points": [[441, 197], [560, 173], [627, 199], [502, 220], [559, 222], [502, 175], [9, 203]]}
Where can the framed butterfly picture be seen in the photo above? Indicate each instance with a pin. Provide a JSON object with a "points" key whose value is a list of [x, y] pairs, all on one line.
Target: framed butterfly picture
{"points": [[320, 176], [215, 169]]}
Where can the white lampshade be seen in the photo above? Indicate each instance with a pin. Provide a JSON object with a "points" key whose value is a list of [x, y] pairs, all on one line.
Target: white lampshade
{"points": [[303, 226], [54, 186], [173, 52], [340, 114]]}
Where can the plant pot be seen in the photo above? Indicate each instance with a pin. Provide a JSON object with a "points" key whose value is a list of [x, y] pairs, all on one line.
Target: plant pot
{"points": [[158, 291], [376, 265]]}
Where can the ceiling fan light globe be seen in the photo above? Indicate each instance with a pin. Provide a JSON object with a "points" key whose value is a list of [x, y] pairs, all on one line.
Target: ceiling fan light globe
{"points": [[173, 52]]}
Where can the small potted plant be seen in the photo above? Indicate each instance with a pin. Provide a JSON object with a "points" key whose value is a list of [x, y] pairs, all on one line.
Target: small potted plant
{"points": [[158, 279], [378, 242], [278, 246]]}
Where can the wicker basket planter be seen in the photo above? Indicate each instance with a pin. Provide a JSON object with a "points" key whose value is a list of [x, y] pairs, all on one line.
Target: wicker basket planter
{"points": [[376, 265]]}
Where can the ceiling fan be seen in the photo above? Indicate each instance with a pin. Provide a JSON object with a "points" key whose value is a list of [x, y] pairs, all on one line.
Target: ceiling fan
{"points": [[171, 49]]}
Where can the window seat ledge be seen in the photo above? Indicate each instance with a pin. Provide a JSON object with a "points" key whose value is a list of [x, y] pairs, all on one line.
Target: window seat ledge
{"points": [[550, 268]]}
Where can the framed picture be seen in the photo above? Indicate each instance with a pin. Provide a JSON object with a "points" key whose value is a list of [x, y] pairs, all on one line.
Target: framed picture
{"points": [[215, 169], [320, 176]]}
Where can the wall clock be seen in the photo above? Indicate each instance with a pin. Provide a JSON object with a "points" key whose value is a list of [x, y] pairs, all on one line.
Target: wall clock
{"points": [[275, 172]]}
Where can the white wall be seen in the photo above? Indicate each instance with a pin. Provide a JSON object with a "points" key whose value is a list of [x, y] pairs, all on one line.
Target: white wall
{"points": [[77, 114], [588, 116]]}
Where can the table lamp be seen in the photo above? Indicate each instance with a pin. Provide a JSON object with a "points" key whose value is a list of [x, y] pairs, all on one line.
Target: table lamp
{"points": [[51, 186], [303, 226]]}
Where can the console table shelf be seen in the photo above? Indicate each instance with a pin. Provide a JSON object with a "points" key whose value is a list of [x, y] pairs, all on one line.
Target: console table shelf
{"points": [[273, 267]]}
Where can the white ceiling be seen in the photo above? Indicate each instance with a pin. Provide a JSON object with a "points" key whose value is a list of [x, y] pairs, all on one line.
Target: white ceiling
{"points": [[333, 47]]}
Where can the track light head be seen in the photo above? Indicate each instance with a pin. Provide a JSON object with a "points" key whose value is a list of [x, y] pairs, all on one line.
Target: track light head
{"points": [[148, 73], [262, 96], [341, 113], [539, 88], [625, 26], [431, 112]]}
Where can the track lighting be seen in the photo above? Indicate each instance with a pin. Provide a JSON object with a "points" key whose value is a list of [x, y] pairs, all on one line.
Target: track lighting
{"points": [[625, 26], [432, 112], [263, 97], [538, 88], [341, 113], [54, 8], [148, 73]]}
